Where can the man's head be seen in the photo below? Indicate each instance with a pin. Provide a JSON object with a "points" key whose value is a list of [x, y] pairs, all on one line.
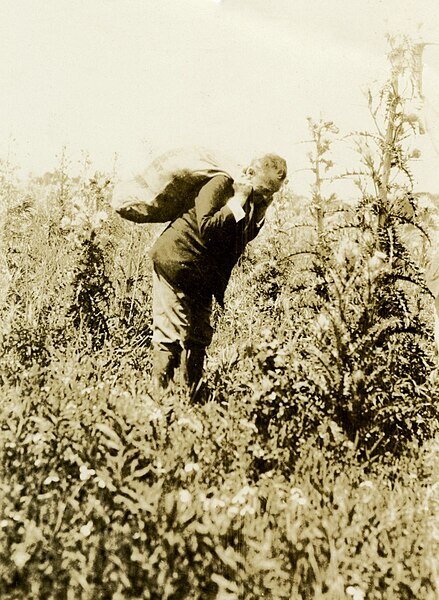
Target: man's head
{"points": [[266, 174]]}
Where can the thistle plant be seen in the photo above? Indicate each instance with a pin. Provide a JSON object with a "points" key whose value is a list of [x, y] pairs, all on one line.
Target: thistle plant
{"points": [[322, 133], [361, 347], [374, 342], [92, 288]]}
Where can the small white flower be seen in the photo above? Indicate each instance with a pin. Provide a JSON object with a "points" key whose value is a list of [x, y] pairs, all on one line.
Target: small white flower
{"points": [[190, 467], [356, 592], [185, 496], [85, 473], [85, 530], [20, 558], [51, 479], [298, 497]]}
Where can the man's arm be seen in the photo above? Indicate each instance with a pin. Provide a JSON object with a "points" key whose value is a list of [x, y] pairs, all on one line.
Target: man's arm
{"points": [[218, 204]]}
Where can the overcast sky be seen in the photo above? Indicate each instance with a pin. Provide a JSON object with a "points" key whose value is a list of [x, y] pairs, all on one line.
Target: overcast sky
{"points": [[136, 77]]}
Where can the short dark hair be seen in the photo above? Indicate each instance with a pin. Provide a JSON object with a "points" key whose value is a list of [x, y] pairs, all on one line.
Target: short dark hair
{"points": [[272, 161]]}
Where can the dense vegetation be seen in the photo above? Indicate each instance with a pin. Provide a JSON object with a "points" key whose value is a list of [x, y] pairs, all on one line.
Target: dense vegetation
{"points": [[309, 467]]}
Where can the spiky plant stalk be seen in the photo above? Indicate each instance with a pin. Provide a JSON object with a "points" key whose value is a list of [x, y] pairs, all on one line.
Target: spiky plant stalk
{"points": [[322, 133]]}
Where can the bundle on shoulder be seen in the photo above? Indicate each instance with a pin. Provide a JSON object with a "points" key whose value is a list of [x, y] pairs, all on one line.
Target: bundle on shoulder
{"points": [[169, 185]]}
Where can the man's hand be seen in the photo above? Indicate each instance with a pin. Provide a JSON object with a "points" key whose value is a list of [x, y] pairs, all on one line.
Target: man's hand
{"points": [[242, 191], [236, 203]]}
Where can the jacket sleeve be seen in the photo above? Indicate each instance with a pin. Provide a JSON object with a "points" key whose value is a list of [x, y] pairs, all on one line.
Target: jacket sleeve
{"points": [[213, 214]]}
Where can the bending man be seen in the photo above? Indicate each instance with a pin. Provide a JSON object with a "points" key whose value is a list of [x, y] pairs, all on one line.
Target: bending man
{"points": [[193, 260]]}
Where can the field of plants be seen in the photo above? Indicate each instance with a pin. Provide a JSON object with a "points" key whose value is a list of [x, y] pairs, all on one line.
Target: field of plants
{"points": [[309, 468]]}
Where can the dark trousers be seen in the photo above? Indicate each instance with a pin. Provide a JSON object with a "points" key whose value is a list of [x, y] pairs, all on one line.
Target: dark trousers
{"points": [[181, 333]]}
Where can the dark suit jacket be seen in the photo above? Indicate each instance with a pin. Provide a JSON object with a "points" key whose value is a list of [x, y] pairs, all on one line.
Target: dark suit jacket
{"points": [[197, 252]]}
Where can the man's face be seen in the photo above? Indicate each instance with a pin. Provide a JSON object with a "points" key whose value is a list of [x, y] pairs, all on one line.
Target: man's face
{"points": [[266, 182]]}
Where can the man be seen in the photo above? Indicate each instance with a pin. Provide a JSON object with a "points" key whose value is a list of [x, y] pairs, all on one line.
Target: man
{"points": [[193, 260]]}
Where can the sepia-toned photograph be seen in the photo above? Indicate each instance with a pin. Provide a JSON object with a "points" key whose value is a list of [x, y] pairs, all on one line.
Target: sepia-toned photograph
{"points": [[219, 300]]}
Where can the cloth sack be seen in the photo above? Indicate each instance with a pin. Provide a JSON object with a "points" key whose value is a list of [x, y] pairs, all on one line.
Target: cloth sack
{"points": [[169, 185]]}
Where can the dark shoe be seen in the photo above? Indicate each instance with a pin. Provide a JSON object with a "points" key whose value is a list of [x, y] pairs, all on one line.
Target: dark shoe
{"points": [[192, 364], [165, 361]]}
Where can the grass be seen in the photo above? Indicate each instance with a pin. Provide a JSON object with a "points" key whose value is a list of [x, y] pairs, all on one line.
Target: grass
{"points": [[309, 470], [107, 492]]}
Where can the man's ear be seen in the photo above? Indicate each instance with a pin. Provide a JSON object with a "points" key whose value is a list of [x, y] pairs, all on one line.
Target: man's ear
{"points": [[249, 171]]}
